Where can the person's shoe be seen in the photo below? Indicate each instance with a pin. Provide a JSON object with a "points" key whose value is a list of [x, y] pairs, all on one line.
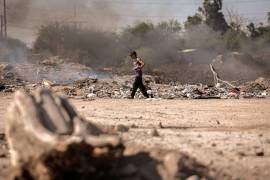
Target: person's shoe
{"points": [[130, 97]]}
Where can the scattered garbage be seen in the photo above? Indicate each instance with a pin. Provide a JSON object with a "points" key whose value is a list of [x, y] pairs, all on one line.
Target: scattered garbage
{"points": [[154, 133], [47, 83], [91, 86], [91, 96], [122, 128]]}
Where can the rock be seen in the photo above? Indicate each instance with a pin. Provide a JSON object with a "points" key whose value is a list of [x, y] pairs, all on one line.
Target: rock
{"points": [[122, 128], [86, 82], [9, 75], [128, 170], [194, 177], [160, 125], [259, 153], [2, 137], [74, 159], [260, 80], [154, 133], [242, 154], [171, 163], [264, 94], [180, 166], [219, 152], [267, 141], [6, 67], [47, 83], [149, 92], [3, 155], [233, 95], [133, 126], [52, 61], [91, 96]]}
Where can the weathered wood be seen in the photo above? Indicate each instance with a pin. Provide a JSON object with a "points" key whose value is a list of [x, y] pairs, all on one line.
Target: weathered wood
{"points": [[217, 78], [48, 140], [35, 123]]}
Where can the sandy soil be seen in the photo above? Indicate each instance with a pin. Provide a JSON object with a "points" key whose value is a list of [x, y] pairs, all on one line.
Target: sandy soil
{"points": [[228, 136]]}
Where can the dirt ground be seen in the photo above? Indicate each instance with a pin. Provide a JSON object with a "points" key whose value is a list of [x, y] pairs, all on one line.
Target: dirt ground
{"points": [[231, 137]]}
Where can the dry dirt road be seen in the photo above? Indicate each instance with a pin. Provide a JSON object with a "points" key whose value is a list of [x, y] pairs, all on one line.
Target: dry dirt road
{"points": [[228, 136]]}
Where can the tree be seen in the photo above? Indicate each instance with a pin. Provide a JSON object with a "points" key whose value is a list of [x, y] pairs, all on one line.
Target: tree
{"points": [[261, 32], [214, 16], [268, 18], [140, 29], [234, 38], [235, 20], [210, 13], [171, 26], [193, 20], [253, 30]]}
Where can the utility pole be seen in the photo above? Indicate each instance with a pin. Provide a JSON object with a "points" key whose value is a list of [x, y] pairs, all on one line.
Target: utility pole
{"points": [[75, 10], [75, 16], [75, 22], [1, 26], [5, 18]]}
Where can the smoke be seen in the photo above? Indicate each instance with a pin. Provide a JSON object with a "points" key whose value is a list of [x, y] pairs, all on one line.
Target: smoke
{"points": [[99, 43], [13, 50], [26, 16], [89, 13], [18, 10]]}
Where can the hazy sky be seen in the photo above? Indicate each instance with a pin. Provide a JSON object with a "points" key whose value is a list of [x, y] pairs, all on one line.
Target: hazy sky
{"points": [[116, 13], [254, 10]]}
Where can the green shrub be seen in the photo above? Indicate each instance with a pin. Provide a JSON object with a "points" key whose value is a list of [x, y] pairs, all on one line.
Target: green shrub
{"points": [[233, 39]]}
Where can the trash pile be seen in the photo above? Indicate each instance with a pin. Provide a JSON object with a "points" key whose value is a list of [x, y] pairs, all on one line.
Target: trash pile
{"points": [[9, 79], [49, 72], [75, 80], [259, 88], [121, 87]]}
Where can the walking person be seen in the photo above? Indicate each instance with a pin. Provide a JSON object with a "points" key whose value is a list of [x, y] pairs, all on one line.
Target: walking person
{"points": [[138, 67]]}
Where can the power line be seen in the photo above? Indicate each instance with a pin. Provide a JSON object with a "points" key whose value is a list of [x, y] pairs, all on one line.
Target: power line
{"points": [[128, 15], [175, 1], [118, 2], [39, 21], [5, 18]]}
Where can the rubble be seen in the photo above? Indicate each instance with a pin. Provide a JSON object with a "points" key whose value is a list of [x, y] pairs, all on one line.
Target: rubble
{"points": [[47, 83], [260, 88], [122, 128], [49, 140], [154, 133], [259, 153], [194, 177], [119, 87], [79, 81], [52, 61], [9, 78]]}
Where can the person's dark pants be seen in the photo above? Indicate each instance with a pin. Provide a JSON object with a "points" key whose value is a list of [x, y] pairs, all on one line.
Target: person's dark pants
{"points": [[139, 84]]}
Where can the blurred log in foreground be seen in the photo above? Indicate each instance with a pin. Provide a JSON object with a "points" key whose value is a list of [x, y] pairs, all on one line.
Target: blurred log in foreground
{"points": [[49, 140]]}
